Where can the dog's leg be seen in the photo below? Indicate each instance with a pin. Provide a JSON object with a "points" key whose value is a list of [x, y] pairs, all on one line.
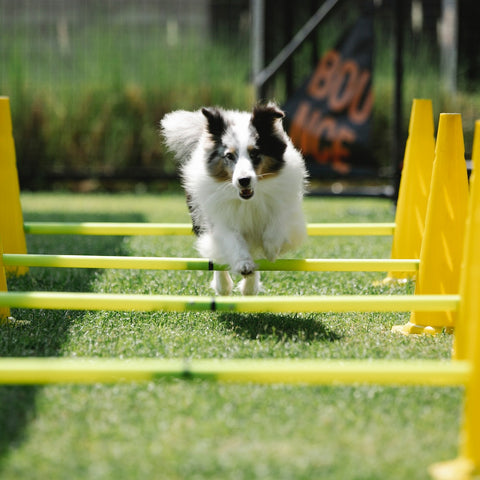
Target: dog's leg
{"points": [[240, 259], [250, 284], [233, 248], [284, 233], [222, 283], [273, 241], [229, 247]]}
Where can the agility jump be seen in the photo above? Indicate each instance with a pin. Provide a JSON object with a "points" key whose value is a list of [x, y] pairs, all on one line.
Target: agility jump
{"points": [[464, 369]]}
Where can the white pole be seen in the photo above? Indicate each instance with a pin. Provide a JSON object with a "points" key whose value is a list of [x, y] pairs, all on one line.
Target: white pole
{"points": [[448, 38], [258, 39]]}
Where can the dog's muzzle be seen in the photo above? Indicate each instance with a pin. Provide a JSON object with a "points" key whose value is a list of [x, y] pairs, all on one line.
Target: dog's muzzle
{"points": [[245, 190]]}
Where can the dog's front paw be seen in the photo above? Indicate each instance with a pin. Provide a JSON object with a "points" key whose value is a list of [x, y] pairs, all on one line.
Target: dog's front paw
{"points": [[245, 267]]}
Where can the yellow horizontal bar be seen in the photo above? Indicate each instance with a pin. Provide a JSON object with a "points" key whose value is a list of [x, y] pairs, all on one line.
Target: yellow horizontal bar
{"points": [[178, 303], [106, 228], [341, 265], [339, 303], [164, 263], [94, 261], [102, 228], [317, 229], [307, 372]]}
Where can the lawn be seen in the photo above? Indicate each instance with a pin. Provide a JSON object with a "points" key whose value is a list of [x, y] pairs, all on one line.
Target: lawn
{"points": [[194, 430]]}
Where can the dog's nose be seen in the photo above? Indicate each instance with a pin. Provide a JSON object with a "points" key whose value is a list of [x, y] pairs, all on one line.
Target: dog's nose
{"points": [[244, 181]]}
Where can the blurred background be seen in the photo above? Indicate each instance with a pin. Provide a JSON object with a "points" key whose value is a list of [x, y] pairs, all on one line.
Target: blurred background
{"points": [[89, 80]]}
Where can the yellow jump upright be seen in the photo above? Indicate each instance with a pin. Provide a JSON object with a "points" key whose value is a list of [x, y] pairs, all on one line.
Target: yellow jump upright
{"points": [[11, 218], [442, 245], [470, 277], [414, 186], [467, 339], [4, 311]]}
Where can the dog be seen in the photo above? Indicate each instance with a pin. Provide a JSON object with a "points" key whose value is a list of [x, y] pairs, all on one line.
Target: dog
{"points": [[244, 182]]}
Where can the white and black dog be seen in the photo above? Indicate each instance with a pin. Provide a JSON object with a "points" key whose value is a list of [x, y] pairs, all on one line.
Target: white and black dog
{"points": [[244, 182]]}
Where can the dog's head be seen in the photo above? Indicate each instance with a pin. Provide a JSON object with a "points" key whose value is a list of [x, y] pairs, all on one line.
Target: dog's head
{"points": [[245, 149]]}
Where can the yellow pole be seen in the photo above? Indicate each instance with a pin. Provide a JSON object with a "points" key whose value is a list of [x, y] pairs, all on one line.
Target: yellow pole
{"points": [[284, 371], [326, 229], [126, 228], [414, 186], [107, 228], [247, 304], [11, 219], [166, 263], [442, 246], [4, 311]]}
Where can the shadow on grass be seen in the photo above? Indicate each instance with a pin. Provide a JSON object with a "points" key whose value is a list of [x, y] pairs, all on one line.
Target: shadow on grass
{"points": [[42, 333], [306, 328]]}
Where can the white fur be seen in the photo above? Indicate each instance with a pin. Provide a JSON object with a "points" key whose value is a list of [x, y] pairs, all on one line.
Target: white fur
{"points": [[239, 231]]}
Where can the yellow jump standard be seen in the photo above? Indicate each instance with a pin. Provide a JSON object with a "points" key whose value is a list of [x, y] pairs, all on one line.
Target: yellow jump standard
{"points": [[11, 217], [414, 185]]}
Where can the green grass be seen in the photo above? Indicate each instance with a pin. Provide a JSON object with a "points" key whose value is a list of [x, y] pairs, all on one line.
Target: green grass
{"points": [[196, 430]]}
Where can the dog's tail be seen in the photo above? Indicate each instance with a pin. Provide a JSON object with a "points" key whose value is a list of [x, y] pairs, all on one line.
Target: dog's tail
{"points": [[182, 131]]}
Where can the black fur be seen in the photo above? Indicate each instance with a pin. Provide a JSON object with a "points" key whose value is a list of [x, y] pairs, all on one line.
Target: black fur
{"points": [[270, 139], [215, 122], [216, 127], [197, 228]]}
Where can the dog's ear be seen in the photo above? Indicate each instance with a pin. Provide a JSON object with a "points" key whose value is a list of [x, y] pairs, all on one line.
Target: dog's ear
{"points": [[215, 122], [264, 118]]}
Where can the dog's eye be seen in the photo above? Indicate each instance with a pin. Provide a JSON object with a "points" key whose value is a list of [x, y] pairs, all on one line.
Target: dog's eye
{"points": [[255, 156], [229, 156]]}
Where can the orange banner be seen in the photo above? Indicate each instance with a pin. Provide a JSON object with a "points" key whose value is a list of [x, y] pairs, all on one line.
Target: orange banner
{"points": [[329, 117]]}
